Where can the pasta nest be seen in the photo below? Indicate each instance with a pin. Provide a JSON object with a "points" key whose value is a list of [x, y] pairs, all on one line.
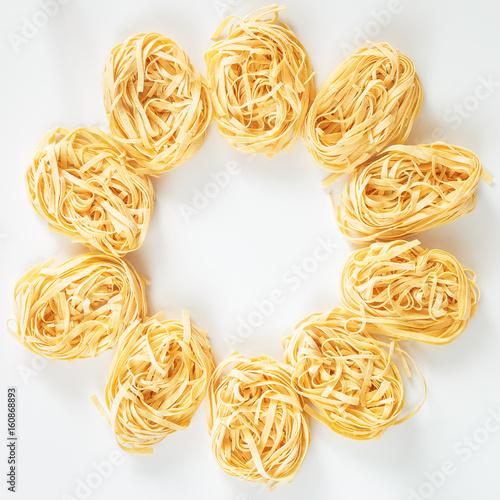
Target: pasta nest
{"points": [[409, 189], [261, 82], [157, 103], [158, 378], [406, 291], [81, 183], [256, 420], [370, 100], [347, 374], [79, 308]]}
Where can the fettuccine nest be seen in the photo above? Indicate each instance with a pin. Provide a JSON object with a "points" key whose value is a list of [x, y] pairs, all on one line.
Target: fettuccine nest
{"points": [[349, 375], [256, 420], [157, 103], [79, 308], [370, 100], [81, 182], [261, 82], [158, 378], [409, 189], [406, 291]]}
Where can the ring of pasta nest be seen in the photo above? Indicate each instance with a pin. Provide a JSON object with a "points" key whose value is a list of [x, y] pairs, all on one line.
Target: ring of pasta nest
{"points": [[157, 103], [349, 375], [409, 189], [79, 308], [406, 291], [93, 187], [261, 82], [81, 182], [158, 378], [370, 100], [256, 421]]}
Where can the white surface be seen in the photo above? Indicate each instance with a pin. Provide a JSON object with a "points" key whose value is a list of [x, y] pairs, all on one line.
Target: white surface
{"points": [[238, 248]]}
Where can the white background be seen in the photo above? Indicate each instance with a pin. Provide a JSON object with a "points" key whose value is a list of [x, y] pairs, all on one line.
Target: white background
{"points": [[236, 251]]}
